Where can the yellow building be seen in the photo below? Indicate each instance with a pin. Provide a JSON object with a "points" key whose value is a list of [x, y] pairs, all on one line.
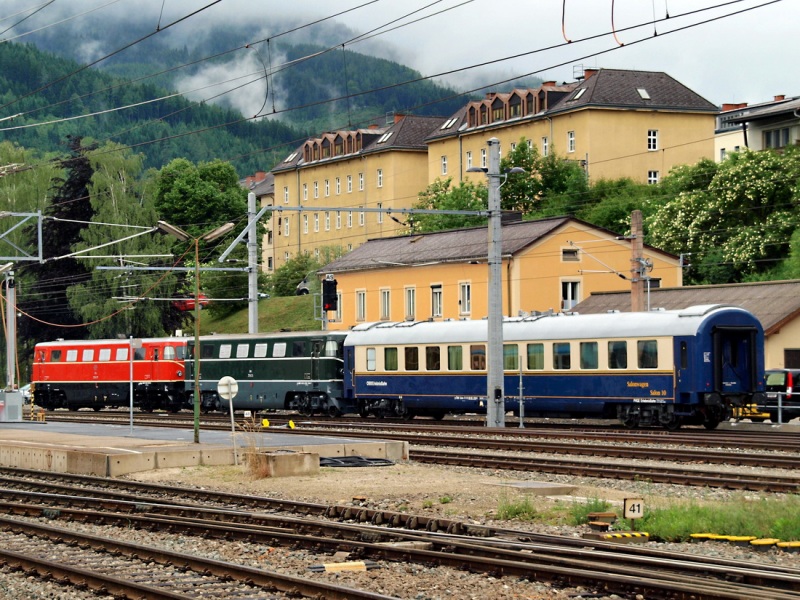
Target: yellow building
{"points": [[549, 264], [615, 123], [337, 175]]}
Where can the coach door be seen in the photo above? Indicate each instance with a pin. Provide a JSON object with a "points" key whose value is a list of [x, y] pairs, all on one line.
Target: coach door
{"points": [[316, 351], [734, 359]]}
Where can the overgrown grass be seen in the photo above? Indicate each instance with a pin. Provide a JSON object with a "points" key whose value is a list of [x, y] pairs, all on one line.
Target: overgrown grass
{"points": [[294, 313], [766, 517]]}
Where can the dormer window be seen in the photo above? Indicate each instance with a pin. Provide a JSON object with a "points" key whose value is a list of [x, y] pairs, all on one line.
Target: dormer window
{"points": [[643, 93], [578, 94], [385, 137], [291, 157]]}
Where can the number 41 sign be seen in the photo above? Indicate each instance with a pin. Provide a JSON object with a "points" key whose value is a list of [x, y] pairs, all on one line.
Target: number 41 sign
{"points": [[633, 508]]}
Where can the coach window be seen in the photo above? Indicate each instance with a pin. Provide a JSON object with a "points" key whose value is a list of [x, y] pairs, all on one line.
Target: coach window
{"points": [[433, 358], [224, 351], [510, 357], [412, 358], [648, 354], [88, 355], [242, 350], [390, 359], [260, 351], [617, 355], [455, 361], [589, 355], [371, 359], [561, 356], [121, 354], [477, 357], [535, 357]]}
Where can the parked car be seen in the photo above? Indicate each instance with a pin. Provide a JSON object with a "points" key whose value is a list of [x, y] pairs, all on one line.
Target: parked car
{"points": [[780, 386], [26, 392], [185, 304]]}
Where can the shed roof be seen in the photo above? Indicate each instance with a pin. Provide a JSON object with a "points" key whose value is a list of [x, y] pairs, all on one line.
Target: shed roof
{"points": [[774, 303]]}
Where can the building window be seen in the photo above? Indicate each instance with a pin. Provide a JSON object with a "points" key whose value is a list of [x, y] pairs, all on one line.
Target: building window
{"points": [[386, 305], [652, 139], [483, 158], [269, 263], [327, 221], [464, 298], [305, 191], [316, 222], [652, 177], [286, 257], [349, 184], [316, 189], [444, 165], [722, 154], [380, 214], [361, 305], [361, 182], [286, 194], [436, 300], [380, 177], [339, 307], [570, 255], [305, 223], [286, 226], [469, 160], [570, 291], [776, 138], [570, 141], [545, 146], [338, 220], [350, 219], [361, 218], [338, 186], [411, 303], [513, 146], [327, 188]]}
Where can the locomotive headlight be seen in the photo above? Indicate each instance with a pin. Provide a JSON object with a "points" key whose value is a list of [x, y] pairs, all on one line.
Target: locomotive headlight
{"points": [[179, 373]]}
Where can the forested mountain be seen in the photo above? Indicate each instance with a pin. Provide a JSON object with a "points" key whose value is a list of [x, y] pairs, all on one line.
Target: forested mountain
{"points": [[305, 96]]}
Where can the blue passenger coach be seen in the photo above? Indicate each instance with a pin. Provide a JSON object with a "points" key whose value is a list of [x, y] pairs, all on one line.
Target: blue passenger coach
{"points": [[666, 368]]}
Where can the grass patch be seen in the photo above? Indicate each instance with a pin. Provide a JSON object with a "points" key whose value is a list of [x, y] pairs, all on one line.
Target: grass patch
{"points": [[294, 313], [579, 511], [521, 508], [445, 500]]}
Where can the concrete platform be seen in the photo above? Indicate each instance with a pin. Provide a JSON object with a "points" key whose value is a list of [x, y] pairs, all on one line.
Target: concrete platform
{"points": [[113, 450], [792, 426]]}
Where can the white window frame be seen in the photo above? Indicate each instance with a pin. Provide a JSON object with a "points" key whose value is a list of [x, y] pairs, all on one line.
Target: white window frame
{"points": [[361, 218], [305, 191], [286, 226], [361, 182], [465, 298], [338, 220], [327, 187], [570, 293], [361, 305], [386, 304], [349, 184], [316, 222], [316, 189], [305, 223], [338, 186], [349, 219], [436, 300], [286, 194], [652, 140], [483, 158], [571, 141], [410, 294], [444, 165], [327, 221], [653, 177], [469, 159], [380, 178], [545, 145]]}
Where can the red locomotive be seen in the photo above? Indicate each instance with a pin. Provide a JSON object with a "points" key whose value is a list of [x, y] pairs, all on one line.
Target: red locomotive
{"points": [[97, 373]]}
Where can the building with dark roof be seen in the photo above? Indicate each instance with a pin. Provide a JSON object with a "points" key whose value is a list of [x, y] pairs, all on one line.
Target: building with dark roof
{"points": [[615, 123], [775, 303], [548, 264]]}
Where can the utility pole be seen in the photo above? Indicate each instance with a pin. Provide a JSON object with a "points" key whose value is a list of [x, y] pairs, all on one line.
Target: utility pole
{"points": [[252, 265], [637, 262], [495, 396]]}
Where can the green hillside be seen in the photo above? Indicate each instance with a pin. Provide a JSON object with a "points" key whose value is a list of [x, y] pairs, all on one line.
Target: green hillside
{"points": [[295, 313]]}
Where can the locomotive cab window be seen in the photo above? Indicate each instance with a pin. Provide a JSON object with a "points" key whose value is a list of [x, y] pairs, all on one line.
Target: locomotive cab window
{"points": [[477, 357], [535, 357], [332, 349], [589, 355], [169, 353], [412, 358], [207, 351], [561, 355], [139, 353], [647, 351], [455, 361], [432, 358], [390, 359], [298, 348], [617, 355]]}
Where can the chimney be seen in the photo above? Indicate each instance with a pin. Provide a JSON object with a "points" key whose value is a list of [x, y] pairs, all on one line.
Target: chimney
{"points": [[260, 176], [733, 106], [589, 72], [398, 117], [548, 84], [248, 181], [780, 97]]}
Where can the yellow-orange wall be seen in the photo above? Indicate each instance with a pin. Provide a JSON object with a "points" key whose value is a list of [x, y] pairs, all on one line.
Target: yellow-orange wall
{"points": [[531, 280]]}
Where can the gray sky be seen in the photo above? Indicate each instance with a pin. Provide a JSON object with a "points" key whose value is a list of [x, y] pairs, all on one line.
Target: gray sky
{"points": [[749, 57]]}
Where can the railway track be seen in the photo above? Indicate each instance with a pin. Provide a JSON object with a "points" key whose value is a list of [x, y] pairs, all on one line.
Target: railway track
{"points": [[393, 539]]}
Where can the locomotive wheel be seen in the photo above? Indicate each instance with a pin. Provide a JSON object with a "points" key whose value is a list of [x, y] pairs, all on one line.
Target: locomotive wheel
{"points": [[363, 412], [333, 411], [673, 424], [711, 424], [630, 422]]}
